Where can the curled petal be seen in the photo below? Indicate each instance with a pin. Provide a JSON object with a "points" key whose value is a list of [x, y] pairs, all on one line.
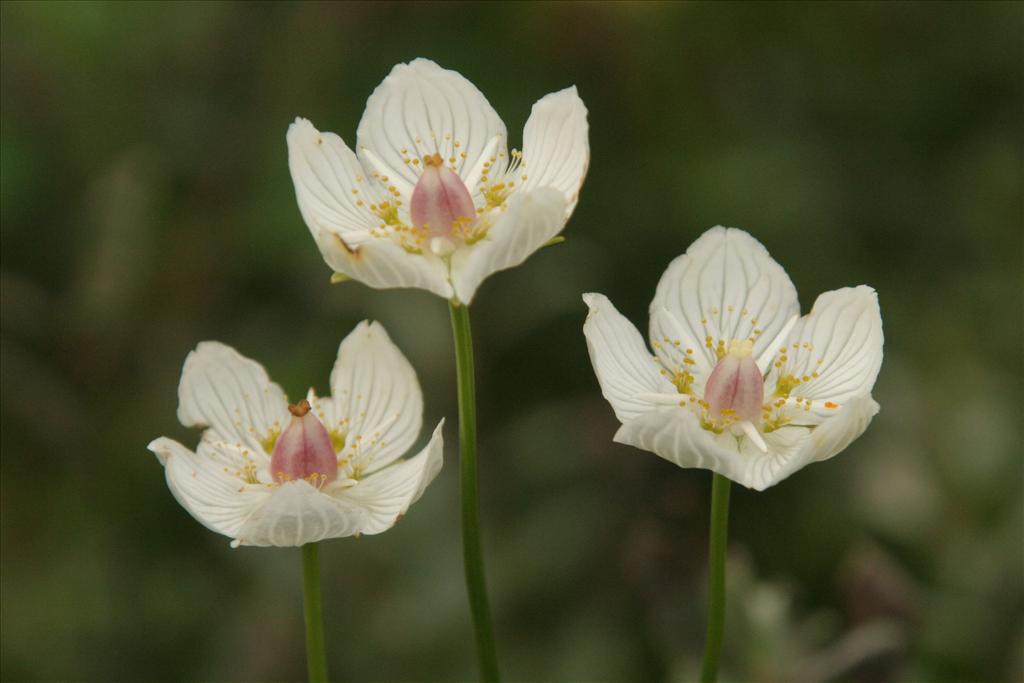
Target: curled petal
{"points": [[530, 220], [421, 109], [376, 398], [296, 513], [676, 435], [383, 264], [828, 438], [232, 395], [386, 495], [727, 287], [837, 432], [330, 186], [626, 370], [200, 483], [556, 146]]}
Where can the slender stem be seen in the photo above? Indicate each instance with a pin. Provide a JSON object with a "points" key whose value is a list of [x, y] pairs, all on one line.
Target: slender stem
{"points": [[716, 577], [472, 556], [316, 660]]}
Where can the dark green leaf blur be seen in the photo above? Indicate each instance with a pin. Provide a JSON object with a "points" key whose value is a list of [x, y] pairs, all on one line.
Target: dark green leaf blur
{"points": [[146, 206]]}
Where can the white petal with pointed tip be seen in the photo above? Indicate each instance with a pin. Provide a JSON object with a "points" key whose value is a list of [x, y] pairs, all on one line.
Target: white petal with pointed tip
{"points": [[386, 494], [383, 264], [420, 109], [231, 394], [723, 284], [530, 220], [326, 175], [375, 388], [219, 501], [625, 368], [843, 331], [556, 146]]}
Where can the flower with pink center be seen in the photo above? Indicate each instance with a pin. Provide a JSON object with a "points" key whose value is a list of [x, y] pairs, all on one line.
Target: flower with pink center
{"points": [[431, 198], [267, 473], [738, 382]]}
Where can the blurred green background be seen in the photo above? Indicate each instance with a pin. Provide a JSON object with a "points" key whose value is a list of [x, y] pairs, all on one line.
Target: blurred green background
{"points": [[146, 205]]}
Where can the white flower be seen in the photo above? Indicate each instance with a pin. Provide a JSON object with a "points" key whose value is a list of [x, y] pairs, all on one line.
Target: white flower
{"points": [[738, 383], [331, 468], [433, 199]]}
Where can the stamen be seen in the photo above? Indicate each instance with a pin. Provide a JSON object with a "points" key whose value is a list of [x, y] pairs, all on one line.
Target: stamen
{"points": [[751, 432], [776, 345]]}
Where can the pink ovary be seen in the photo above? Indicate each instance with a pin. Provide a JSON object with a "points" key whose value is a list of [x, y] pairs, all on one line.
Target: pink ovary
{"points": [[304, 450], [440, 199], [735, 388]]}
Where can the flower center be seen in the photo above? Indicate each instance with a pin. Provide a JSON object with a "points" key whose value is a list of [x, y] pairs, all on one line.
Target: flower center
{"points": [[304, 450], [441, 203], [735, 388]]}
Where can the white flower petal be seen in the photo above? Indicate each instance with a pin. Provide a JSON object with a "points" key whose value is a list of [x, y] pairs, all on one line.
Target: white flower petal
{"points": [[625, 368], [676, 435], [838, 431], [387, 494], [844, 332], [422, 109], [231, 394], [530, 220], [330, 185], [296, 513], [727, 287], [831, 436], [383, 264], [199, 482], [375, 391], [556, 147]]}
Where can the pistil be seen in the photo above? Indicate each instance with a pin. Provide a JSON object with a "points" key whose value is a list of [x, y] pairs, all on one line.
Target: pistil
{"points": [[440, 201], [735, 388], [304, 450]]}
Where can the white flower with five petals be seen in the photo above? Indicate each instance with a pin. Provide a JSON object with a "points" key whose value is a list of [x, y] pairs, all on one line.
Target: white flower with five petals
{"points": [[269, 474], [738, 383], [432, 199]]}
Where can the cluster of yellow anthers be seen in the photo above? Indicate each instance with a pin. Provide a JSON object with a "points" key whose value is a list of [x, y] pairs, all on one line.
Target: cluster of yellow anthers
{"points": [[409, 237], [247, 473], [712, 423], [316, 480], [270, 440], [681, 376], [496, 193], [361, 454], [471, 231]]}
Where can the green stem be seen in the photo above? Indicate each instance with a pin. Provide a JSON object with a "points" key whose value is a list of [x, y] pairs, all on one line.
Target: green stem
{"points": [[472, 556], [316, 659], [716, 577]]}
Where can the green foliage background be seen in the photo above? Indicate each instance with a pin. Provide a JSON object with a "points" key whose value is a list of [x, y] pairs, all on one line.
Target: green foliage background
{"points": [[146, 205]]}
